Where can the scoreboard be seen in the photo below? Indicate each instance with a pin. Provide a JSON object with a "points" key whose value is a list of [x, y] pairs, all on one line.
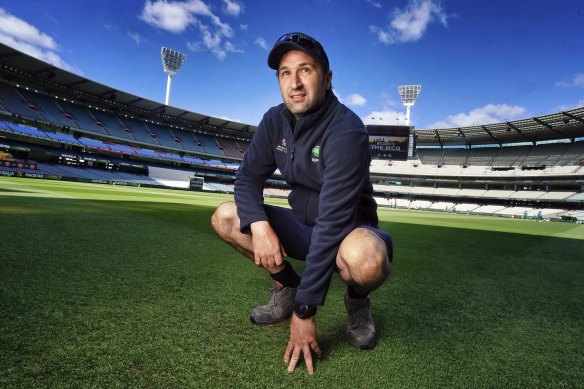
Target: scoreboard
{"points": [[196, 183], [389, 142]]}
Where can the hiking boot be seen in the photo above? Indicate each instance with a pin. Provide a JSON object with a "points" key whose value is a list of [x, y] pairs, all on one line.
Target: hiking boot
{"points": [[278, 308], [360, 328]]}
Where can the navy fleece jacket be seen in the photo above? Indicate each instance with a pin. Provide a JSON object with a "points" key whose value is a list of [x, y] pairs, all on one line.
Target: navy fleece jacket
{"points": [[324, 156]]}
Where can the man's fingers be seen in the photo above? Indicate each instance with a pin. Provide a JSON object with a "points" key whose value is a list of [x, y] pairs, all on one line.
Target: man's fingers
{"points": [[308, 360], [278, 259], [315, 347], [292, 356], [288, 352], [294, 360]]}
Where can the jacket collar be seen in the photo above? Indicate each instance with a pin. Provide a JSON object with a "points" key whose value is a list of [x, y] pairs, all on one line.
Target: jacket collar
{"points": [[298, 125]]}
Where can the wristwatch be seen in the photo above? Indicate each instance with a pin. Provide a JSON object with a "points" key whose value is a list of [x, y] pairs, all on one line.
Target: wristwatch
{"points": [[304, 311]]}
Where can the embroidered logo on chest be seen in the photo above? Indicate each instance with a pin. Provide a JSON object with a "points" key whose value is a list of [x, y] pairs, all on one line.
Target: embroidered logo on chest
{"points": [[316, 153], [282, 146]]}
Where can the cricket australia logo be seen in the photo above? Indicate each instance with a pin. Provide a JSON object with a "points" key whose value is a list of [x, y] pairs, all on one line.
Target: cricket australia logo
{"points": [[316, 153], [282, 146]]}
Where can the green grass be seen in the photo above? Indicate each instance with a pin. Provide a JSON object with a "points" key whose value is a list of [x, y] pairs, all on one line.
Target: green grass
{"points": [[106, 286]]}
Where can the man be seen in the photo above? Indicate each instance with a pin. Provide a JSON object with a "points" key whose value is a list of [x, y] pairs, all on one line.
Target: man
{"points": [[321, 149]]}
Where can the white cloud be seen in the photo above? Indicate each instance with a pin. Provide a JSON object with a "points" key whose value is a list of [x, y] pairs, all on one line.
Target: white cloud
{"points": [[194, 46], [354, 99], [490, 113], [228, 119], [261, 42], [386, 117], [25, 37], [410, 24], [23, 31], [374, 3], [576, 82], [232, 8], [230, 48], [174, 17], [560, 108], [135, 37], [177, 16], [243, 27], [383, 36]]}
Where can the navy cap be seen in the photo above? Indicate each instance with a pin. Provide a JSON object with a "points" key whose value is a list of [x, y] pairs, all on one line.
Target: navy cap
{"points": [[297, 41]]}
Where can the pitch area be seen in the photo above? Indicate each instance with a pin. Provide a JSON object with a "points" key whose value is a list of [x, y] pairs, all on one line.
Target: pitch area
{"points": [[108, 286]]}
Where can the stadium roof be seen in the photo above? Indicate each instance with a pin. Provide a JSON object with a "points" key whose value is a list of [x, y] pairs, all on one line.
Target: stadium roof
{"points": [[561, 125], [42, 72]]}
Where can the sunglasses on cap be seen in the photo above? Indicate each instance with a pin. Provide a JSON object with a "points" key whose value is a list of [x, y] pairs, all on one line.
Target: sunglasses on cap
{"points": [[298, 41], [299, 38]]}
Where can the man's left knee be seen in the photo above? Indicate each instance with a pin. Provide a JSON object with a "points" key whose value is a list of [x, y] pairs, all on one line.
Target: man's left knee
{"points": [[364, 255]]}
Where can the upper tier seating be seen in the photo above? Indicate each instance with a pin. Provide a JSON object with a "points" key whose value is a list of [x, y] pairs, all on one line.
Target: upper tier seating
{"points": [[230, 147], [48, 108], [15, 103], [139, 130], [83, 119], [113, 125], [165, 136], [187, 140], [209, 144]]}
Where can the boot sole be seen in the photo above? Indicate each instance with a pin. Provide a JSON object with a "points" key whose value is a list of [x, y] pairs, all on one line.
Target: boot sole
{"points": [[268, 324]]}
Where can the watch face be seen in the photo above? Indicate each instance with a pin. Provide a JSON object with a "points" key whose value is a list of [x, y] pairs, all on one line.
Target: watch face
{"points": [[304, 311]]}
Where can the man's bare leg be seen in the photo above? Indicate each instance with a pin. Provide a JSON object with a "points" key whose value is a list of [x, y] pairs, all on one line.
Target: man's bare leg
{"points": [[363, 261], [226, 224], [363, 264]]}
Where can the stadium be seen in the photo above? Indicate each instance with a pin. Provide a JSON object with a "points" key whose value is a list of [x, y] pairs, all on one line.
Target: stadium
{"points": [[57, 124], [98, 186]]}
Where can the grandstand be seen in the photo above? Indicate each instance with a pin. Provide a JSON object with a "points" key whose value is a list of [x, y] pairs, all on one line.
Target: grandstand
{"points": [[58, 125]]}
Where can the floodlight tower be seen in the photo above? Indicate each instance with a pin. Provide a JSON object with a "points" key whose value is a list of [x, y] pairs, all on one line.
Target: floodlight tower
{"points": [[172, 60], [409, 94]]}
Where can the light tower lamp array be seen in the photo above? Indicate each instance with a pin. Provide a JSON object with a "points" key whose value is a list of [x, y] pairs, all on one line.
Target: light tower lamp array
{"points": [[409, 94], [172, 60]]}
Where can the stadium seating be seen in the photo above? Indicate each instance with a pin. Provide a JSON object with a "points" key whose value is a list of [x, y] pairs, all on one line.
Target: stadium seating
{"points": [[511, 156], [82, 117], [187, 140], [482, 156], [63, 138], [164, 136], [95, 144], [15, 103], [430, 156], [455, 156], [209, 144], [230, 147], [546, 154], [573, 155], [446, 174], [26, 130], [139, 131], [112, 125], [217, 187], [47, 108]]}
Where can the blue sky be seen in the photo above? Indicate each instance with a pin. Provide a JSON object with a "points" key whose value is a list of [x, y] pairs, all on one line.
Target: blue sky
{"points": [[479, 62]]}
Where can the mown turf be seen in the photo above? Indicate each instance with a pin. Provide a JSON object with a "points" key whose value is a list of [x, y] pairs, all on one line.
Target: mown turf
{"points": [[104, 286]]}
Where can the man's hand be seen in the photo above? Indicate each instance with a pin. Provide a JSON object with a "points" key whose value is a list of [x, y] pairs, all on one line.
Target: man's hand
{"points": [[267, 250], [302, 341]]}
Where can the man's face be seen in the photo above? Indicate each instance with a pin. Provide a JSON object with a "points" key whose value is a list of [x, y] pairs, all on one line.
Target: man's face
{"points": [[302, 83]]}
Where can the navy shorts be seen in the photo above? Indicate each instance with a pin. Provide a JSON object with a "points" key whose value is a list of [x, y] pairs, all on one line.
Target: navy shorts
{"points": [[295, 236]]}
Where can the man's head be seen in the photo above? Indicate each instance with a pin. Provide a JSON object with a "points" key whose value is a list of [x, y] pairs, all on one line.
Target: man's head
{"points": [[303, 72]]}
